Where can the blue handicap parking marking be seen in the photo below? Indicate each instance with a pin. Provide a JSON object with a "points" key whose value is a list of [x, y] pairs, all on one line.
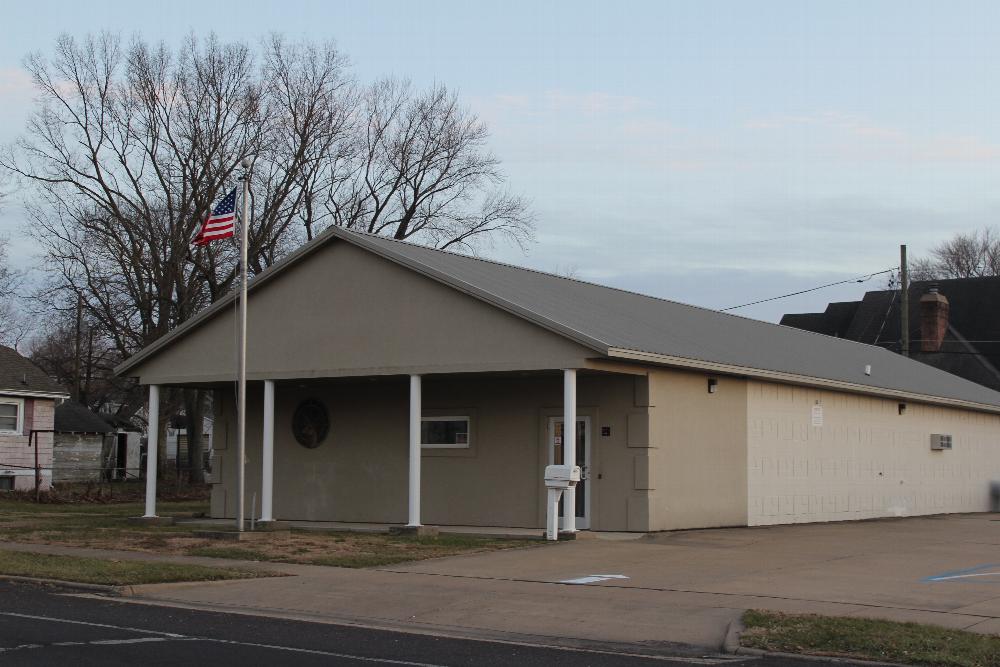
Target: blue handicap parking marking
{"points": [[984, 574]]}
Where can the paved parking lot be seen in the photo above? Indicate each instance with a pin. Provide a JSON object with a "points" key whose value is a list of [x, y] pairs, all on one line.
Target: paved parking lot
{"points": [[662, 592], [944, 569]]}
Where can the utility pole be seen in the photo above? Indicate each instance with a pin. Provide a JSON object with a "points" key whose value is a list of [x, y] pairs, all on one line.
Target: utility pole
{"points": [[904, 310], [76, 358]]}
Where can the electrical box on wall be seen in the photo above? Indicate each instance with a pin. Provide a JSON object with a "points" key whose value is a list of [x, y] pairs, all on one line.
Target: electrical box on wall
{"points": [[939, 441]]}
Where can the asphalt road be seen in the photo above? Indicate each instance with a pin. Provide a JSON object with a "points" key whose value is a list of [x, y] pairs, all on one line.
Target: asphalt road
{"points": [[41, 625]]}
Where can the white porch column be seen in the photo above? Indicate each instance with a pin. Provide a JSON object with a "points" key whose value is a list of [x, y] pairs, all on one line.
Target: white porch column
{"points": [[569, 446], [415, 413], [152, 450], [267, 456]]}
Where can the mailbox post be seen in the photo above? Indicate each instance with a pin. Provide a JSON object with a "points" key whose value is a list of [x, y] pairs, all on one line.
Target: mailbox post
{"points": [[558, 478]]}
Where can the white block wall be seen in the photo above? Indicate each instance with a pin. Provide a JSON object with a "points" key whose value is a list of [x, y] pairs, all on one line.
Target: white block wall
{"points": [[865, 461]]}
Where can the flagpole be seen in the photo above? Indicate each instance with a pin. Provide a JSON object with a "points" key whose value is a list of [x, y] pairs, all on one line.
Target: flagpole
{"points": [[241, 404]]}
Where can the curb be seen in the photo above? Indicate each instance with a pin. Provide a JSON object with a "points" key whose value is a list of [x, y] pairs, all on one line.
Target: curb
{"points": [[731, 642], [104, 589], [731, 645]]}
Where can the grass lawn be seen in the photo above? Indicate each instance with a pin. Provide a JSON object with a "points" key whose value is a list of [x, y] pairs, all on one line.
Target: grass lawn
{"points": [[104, 526], [862, 638], [117, 573]]}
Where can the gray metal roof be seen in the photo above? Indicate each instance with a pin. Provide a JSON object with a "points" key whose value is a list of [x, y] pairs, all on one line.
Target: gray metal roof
{"points": [[620, 319], [605, 319]]}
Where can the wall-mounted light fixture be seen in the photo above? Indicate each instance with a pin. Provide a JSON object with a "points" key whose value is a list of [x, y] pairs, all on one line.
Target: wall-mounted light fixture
{"points": [[902, 408], [713, 385]]}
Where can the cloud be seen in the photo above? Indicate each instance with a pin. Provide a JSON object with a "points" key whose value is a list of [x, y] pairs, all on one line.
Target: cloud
{"points": [[15, 83], [852, 137], [563, 102], [17, 93], [574, 131]]}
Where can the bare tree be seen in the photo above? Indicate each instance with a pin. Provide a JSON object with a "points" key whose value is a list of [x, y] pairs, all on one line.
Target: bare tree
{"points": [[11, 324], [972, 255], [422, 170], [127, 151], [80, 359], [132, 143]]}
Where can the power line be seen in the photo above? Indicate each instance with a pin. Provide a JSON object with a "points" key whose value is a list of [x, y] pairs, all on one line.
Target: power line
{"points": [[885, 318], [859, 279]]}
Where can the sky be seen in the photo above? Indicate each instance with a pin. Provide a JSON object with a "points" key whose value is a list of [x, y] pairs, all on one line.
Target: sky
{"points": [[714, 153]]}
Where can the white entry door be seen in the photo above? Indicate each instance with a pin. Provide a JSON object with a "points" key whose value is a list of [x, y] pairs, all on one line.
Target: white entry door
{"points": [[556, 444]]}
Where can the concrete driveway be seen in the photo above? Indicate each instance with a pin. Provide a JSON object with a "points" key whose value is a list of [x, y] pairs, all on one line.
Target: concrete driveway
{"points": [[656, 593], [943, 569]]}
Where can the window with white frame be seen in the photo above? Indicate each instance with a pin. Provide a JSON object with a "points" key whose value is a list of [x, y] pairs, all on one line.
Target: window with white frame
{"points": [[11, 416], [444, 432]]}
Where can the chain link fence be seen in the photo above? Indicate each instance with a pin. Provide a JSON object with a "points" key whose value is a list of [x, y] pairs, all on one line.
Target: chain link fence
{"points": [[61, 481]]}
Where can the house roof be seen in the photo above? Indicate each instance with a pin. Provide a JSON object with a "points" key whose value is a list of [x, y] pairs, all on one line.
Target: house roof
{"points": [[116, 421], [971, 347], [19, 376], [834, 321], [622, 324], [72, 417]]}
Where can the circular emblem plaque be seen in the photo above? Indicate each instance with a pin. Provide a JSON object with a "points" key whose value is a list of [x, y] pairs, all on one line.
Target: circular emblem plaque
{"points": [[310, 423]]}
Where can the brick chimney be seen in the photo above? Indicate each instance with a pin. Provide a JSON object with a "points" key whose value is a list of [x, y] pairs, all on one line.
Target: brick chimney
{"points": [[933, 319]]}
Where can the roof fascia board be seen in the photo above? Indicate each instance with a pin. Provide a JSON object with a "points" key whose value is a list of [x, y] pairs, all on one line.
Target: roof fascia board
{"points": [[329, 373], [794, 378], [27, 393]]}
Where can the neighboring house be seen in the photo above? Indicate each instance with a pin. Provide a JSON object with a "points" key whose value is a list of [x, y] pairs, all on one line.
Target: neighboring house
{"points": [[27, 404], [379, 367], [84, 445], [954, 324]]}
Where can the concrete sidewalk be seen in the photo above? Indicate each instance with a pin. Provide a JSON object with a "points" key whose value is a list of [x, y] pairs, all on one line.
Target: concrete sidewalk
{"points": [[669, 593]]}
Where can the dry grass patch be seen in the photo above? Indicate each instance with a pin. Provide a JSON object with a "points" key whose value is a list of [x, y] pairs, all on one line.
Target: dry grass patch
{"points": [[114, 572], [357, 549], [869, 639], [105, 527]]}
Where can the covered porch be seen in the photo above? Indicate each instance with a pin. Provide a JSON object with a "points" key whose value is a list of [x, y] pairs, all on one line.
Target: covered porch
{"points": [[465, 450]]}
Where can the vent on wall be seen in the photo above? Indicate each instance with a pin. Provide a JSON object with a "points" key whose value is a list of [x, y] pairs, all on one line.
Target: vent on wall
{"points": [[940, 441]]}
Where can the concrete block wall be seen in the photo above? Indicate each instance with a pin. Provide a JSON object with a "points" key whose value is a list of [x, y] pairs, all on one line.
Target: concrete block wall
{"points": [[640, 452], [817, 455]]}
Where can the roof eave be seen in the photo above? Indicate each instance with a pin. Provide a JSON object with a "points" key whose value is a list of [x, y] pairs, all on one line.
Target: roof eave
{"points": [[31, 393], [794, 378]]}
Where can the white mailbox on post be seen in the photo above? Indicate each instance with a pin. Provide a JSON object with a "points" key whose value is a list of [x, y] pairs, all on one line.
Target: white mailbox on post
{"points": [[558, 478]]}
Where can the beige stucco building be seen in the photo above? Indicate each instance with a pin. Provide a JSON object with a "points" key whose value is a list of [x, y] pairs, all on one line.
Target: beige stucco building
{"points": [[685, 417]]}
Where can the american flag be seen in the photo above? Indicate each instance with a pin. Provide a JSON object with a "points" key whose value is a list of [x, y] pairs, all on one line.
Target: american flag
{"points": [[221, 224]]}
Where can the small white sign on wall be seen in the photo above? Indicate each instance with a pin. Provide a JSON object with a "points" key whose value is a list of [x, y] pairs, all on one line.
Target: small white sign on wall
{"points": [[817, 415]]}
